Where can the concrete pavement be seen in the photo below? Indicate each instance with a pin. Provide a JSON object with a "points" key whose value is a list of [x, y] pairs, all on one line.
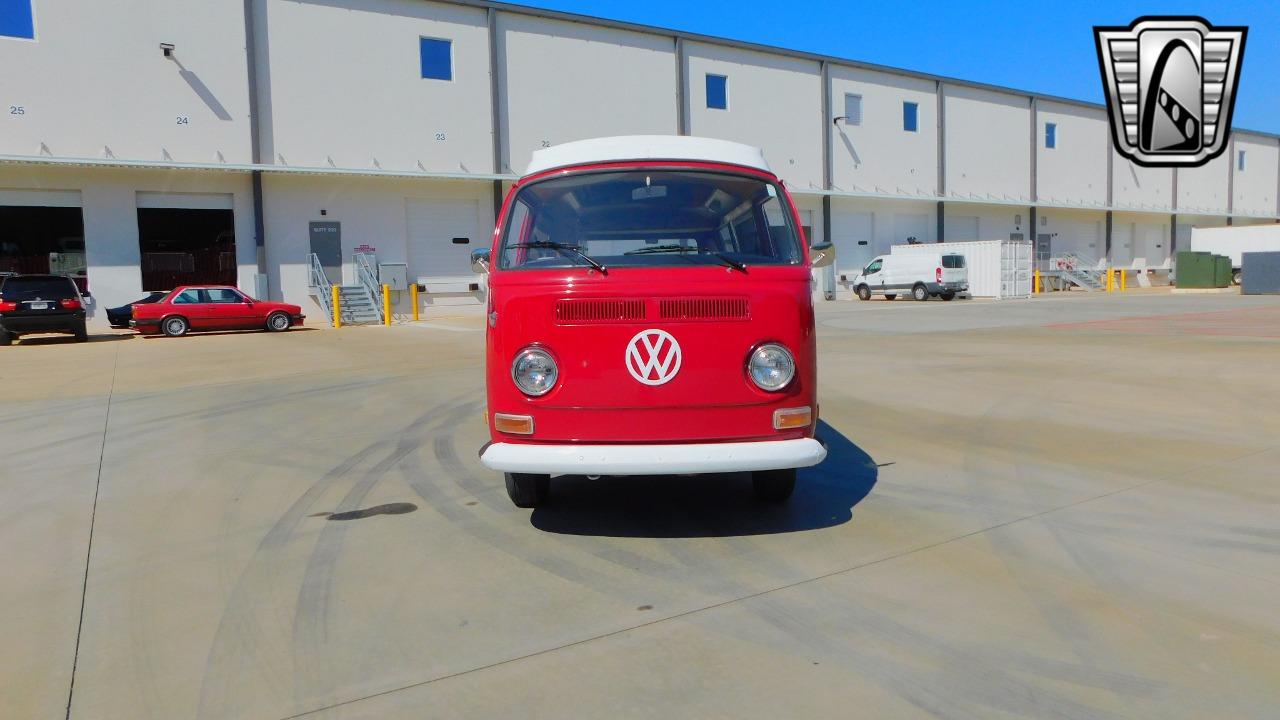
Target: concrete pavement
{"points": [[1026, 512]]}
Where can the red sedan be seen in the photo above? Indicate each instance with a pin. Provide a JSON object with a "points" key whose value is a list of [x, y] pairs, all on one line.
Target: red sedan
{"points": [[212, 307]]}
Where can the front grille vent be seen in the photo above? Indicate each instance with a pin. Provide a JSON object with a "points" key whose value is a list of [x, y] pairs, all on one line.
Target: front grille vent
{"points": [[598, 311], [729, 308]]}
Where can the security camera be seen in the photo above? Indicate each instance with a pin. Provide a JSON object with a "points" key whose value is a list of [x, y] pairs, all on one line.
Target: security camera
{"points": [[166, 49]]}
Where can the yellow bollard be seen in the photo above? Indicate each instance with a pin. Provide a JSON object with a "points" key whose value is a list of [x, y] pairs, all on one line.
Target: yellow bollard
{"points": [[386, 305], [1035, 287], [337, 301], [1124, 281], [414, 292], [1111, 280]]}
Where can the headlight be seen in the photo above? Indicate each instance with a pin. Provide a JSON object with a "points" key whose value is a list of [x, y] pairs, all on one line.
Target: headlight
{"points": [[771, 367], [534, 371]]}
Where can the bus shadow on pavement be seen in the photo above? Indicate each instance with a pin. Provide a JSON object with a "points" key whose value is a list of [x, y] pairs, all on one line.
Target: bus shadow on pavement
{"points": [[673, 506]]}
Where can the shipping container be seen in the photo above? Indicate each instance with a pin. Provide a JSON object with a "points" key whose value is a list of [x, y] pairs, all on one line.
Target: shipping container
{"points": [[997, 268]]}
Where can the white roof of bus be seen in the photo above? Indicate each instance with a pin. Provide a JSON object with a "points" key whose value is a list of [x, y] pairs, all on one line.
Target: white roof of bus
{"points": [[646, 147]]}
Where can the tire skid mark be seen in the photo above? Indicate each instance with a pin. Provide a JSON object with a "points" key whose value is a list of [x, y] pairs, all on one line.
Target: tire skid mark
{"points": [[266, 399], [609, 550], [239, 632], [446, 455], [311, 619]]}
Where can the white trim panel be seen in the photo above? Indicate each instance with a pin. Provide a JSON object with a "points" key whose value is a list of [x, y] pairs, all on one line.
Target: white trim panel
{"points": [[186, 201], [41, 198], [653, 459]]}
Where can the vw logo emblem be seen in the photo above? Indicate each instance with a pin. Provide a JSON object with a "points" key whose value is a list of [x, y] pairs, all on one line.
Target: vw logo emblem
{"points": [[653, 357]]}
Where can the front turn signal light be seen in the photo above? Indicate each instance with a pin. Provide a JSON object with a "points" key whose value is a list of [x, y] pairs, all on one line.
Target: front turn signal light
{"points": [[513, 424], [792, 418]]}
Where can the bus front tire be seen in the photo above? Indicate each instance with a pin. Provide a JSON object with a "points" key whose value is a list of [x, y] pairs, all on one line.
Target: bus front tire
{"points": [[863, 292], [773, 486], [527, 490]]}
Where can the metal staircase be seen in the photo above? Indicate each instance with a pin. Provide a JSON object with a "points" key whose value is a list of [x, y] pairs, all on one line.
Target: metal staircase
{"points": [[1081, 272], [358, 304]]}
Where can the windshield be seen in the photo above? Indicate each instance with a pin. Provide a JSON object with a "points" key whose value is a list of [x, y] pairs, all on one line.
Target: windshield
{"points": [[647, 218]]}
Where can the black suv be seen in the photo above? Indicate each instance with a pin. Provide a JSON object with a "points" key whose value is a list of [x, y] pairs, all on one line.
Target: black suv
{"points": [[40, 304]]}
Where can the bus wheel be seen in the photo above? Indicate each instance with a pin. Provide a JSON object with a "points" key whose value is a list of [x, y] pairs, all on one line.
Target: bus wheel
{"points": [[864, 293], [890, 296], [920, 292], [948, 296], [527, 490], [773, 486]]}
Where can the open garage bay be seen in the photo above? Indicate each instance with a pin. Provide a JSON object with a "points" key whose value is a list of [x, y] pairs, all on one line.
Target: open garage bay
{"points": [[1065, 507]]}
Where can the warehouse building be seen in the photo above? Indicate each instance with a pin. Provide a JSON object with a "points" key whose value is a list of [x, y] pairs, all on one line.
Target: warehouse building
{"points": [[158, 143]]}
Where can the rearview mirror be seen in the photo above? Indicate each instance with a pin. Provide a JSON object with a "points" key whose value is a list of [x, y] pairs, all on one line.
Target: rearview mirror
{"points": [[480, 260], [822, 255]]}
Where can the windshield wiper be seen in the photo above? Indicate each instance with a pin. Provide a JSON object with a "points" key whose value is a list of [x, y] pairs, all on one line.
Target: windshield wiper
{"points": [[548, 245], [661, 249], [735, 264]]}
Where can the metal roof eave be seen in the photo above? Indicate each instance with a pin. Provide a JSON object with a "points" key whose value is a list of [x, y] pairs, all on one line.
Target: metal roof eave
{"points": [[244, 168], [1048, 204]]}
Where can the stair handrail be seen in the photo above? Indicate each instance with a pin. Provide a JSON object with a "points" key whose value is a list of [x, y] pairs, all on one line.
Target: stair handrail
{"points": [[320, 284], [1080, 270], [365, 262], [1082, 262]]}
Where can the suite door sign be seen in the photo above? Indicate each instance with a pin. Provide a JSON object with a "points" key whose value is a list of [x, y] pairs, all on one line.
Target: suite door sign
{"points": [[326, 243]]}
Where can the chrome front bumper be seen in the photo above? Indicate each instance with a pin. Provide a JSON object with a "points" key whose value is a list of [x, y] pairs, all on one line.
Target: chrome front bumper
{"points": [[653, 459]]}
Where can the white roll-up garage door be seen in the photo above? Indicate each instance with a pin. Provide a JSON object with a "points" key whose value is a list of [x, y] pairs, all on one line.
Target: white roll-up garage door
{"points": [[442, 234], [852, 233]]}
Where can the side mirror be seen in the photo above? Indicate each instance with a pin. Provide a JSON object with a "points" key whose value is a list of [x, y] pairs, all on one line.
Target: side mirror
{"points": [[822, 255], [480, 260]]}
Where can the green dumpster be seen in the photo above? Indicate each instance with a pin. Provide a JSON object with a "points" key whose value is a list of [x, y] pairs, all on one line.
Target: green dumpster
{"points": [[1195, 269], [1221, 271]]}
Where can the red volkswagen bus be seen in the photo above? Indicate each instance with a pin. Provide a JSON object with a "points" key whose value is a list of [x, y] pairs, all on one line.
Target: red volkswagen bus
{"points": [[650, 312]]}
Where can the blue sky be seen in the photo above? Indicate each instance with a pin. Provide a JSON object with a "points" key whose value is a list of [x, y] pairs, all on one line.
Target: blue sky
{"points": [[1036, 46]]}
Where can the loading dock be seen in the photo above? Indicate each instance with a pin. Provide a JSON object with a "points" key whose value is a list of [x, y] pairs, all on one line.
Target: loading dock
{"points": [[39, 238], [186, 240]]}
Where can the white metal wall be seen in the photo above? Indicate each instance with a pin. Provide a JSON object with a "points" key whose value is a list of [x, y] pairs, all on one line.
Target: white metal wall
{"points": [[772, 103], [1204, 189], [877, 155], [1075, 171], [1140, 188], [570, 81], [95, 81], [988, 144], [1254, 187], [986, 222], [342, 86]]}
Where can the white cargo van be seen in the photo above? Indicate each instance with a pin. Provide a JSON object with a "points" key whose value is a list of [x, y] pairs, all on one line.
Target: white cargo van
{"points": [[922, 275]]}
